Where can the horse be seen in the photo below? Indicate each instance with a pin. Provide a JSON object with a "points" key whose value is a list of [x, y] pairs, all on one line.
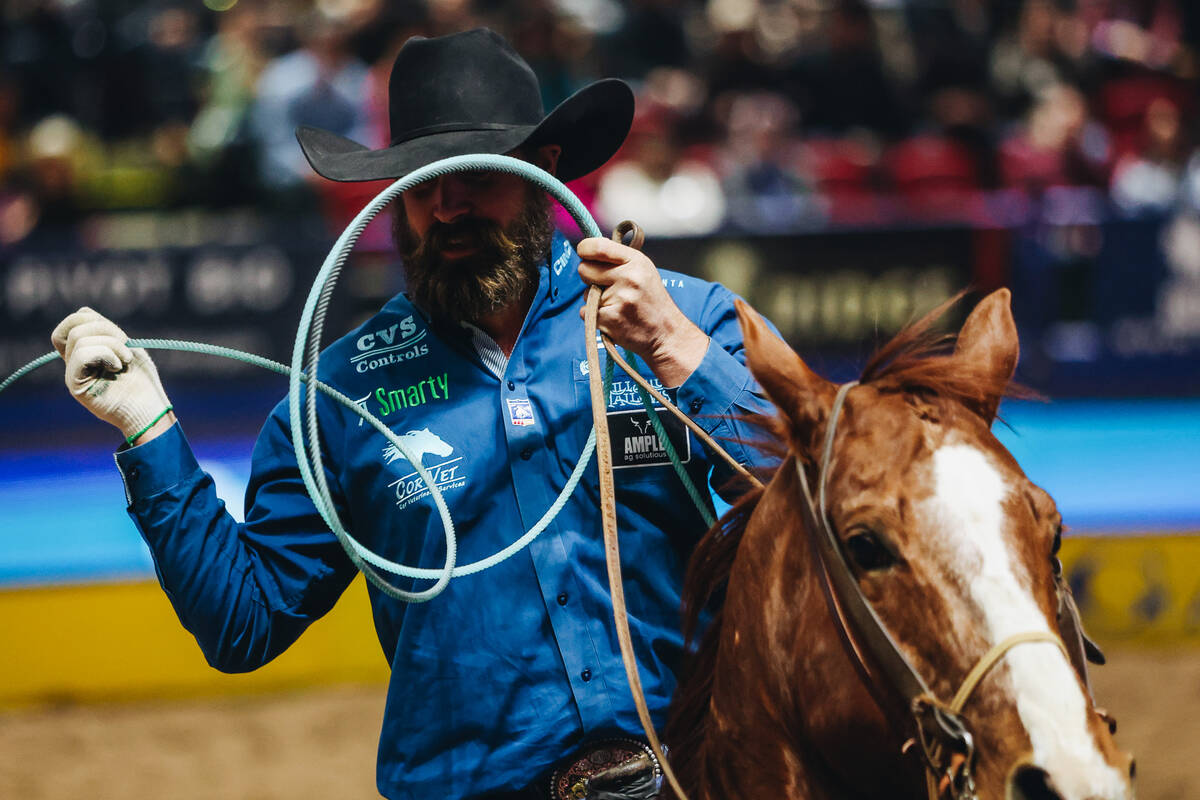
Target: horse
{"points": [[953, 549]]}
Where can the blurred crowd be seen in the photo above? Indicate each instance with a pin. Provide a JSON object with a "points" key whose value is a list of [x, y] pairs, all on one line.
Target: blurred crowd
{"points": [[754, 115]]}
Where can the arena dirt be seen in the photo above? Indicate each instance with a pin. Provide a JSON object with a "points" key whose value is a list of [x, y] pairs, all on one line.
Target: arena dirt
{"points": [[321, 744]]}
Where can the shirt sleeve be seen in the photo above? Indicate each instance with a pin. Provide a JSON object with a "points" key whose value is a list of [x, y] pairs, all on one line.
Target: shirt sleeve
{"points": [[722, 396], [246, 591]]}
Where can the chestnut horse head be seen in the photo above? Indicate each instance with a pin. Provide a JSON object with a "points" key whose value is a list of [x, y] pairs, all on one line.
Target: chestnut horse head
{"points": [[953, 549]]}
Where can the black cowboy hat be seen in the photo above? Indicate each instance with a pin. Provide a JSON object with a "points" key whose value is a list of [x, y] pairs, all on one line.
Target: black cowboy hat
{"points": [[470, 93]]}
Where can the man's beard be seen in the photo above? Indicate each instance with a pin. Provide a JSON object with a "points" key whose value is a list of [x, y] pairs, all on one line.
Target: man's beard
{"points": [[502, 270]]}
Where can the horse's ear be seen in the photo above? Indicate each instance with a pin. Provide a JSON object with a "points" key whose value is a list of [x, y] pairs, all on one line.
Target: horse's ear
{"points": [[802, 395], [988, 345]]}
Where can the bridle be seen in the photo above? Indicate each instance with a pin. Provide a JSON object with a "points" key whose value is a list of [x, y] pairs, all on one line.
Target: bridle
{"points": [[937, 728]]}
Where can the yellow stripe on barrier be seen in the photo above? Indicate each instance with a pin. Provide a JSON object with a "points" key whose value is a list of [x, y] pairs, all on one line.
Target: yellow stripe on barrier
{"points": [[122, 641], [1136, 589]]}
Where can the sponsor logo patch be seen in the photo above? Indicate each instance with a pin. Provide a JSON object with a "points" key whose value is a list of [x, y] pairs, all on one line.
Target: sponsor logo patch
{"points": [[396, 343], [520, 411], [635, 444], [561, 260], [426, 390], [446, 474], [624, 393]]}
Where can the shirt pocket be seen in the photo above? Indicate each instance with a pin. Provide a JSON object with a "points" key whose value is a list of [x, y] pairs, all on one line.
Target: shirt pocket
{"points": [[638, 454]]}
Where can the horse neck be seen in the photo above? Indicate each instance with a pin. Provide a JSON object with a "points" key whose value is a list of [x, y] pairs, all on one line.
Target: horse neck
{"points": [[789, 716]]}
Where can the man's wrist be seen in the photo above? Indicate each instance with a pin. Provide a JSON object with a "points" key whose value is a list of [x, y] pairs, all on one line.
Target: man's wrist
{"points": [[159, 427], [678, 356]]}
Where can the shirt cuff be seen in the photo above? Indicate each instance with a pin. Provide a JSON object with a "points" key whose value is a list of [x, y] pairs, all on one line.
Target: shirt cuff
{"points": [[157, 465], [713, 387]]}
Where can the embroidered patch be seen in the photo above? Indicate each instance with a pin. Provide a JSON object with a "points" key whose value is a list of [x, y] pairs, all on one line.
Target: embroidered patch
{"points": [[394, 344], [447, 473], [561, 260], [393, 400], [624, 393], [520, 411], [635, 444]]}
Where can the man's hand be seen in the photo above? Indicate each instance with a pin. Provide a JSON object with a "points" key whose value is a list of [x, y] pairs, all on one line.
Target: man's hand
{"points": [[116, 383], [636, 311]]}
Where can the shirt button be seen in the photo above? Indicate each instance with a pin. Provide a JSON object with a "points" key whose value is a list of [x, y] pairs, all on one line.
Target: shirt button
{"points": [[562, 599], [526, 454], [133, 472], [511, 386], [696, 405], [586, 675]]}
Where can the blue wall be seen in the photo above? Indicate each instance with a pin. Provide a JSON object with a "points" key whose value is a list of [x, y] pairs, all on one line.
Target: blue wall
{"points": [[1113, 467]]}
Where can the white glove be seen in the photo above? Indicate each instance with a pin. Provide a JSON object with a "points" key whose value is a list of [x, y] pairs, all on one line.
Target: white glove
{"points": [[116, 383]]}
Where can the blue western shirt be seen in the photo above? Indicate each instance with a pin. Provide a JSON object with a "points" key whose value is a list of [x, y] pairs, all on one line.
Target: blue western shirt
{"points": [[511, 669]]}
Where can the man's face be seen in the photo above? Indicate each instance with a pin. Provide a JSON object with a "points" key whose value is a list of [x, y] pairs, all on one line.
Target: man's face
{"points": [[471, 242]]}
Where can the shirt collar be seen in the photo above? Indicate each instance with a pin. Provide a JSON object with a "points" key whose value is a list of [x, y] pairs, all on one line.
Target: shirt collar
{"points": [[562, 271]]}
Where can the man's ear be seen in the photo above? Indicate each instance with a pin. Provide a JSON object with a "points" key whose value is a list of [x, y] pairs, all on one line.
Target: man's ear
{"points": [[546, 157], [802, 395]]}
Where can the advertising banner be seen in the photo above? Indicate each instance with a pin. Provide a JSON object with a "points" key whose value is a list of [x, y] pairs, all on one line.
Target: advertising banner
{"points": [[247, 297], [1109, 309], [836, 294]]}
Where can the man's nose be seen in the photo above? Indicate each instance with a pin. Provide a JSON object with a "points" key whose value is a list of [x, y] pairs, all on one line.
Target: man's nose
{"points": [[452, 199]]}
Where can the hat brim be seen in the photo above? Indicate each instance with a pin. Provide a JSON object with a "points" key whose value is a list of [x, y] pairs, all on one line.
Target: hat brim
{"points": [[589, 126]]}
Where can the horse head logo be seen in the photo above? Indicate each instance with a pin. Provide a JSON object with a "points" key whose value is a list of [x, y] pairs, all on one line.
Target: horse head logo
{"points": [[418, 444]]}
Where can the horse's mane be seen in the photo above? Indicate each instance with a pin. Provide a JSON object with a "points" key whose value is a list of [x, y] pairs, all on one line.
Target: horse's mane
{"points": [[918, 360]]}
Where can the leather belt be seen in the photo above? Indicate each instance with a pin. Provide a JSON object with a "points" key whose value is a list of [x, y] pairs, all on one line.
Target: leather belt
{"points": [[610, 769], [613, 769]]}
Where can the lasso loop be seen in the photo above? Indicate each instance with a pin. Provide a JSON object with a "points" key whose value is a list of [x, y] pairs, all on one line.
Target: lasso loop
{"points": [[312, 321], [308, 451]]}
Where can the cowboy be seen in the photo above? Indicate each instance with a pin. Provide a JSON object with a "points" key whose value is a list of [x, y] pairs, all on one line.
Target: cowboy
{"points": [[514, 673]]}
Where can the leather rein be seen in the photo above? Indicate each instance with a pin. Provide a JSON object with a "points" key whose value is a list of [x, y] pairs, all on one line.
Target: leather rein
{"points": [[608, 495]]}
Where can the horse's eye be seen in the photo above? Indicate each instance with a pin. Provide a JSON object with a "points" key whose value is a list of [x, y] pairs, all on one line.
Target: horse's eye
{"points": [[1056, 545], [868, 552]]}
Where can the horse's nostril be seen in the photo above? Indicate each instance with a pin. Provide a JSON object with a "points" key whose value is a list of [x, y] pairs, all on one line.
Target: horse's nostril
{"points": [[1132, 768], [1032, 783]]}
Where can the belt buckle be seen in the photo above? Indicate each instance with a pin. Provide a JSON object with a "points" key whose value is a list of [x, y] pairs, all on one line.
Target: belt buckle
{"points": [[571, 781]]}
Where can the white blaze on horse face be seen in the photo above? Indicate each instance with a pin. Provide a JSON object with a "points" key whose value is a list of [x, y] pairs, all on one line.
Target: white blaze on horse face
{"points": [[966, 510]]}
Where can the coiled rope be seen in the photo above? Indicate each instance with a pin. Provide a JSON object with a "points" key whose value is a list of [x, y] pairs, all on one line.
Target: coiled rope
{"points": [[305, 429]]}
